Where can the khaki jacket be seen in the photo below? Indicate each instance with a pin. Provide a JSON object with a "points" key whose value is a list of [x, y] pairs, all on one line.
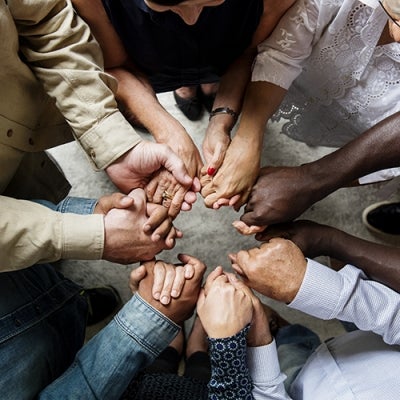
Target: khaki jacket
{"points": [[52, 89]]}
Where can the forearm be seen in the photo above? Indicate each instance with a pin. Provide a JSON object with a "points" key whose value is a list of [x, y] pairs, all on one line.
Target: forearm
{"points": [[229, 372], [104, 367], [141, 105], [379, 262], [376, 149], [58, 47], [266, 373], [261, 101], [349, 296]]}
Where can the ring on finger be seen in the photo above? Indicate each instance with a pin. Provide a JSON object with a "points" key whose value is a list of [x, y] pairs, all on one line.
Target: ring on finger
{"points": [[166, 196]]}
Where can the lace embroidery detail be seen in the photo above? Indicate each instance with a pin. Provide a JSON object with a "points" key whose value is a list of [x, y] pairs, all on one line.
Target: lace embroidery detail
{"points": [[348, 84]]}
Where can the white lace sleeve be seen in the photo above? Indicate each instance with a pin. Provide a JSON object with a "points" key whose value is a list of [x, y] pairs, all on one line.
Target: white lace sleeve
{"points": [[280, 57]]}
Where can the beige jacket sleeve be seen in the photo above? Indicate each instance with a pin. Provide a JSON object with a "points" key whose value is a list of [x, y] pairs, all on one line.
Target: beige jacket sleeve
{"points": [[59, 48], [32, 233]]}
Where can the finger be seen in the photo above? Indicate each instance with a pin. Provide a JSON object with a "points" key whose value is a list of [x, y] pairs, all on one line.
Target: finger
{"points": [[135, 277], [178, 282], [239, 271], [186, 207], [151, 190], [170, 274], [190, 197], [176, 203], [162, 232], [217, 159], [208, 190], [159, 276], [171, 237], [234, 200], [200, 300], [176, 166], [190, 264], [157, 215], [196, 186], [218, 271]]}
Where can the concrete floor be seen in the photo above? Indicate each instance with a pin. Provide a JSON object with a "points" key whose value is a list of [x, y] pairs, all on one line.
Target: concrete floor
{"points": [[208, 234]]}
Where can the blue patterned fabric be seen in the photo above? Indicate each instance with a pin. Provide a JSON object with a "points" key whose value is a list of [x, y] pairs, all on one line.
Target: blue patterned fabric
{"points": [[230, 377]]}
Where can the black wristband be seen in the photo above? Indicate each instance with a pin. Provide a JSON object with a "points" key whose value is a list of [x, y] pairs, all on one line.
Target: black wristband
{"points": [[223, 110]]}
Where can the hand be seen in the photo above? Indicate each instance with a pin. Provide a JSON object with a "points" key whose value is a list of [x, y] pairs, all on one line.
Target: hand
{"points": [[181, 308], [163, 182], [232, 183], [129, 239], [276, 269], [135, 168], [280, 194], [115, 200], [309, 236], [226, 309], [215, 145], [169, 279]]}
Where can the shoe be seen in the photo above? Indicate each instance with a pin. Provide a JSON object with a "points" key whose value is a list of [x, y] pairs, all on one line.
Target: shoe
{"points": [[207, 100], [191, 107], [383, 218], [102, 303]]}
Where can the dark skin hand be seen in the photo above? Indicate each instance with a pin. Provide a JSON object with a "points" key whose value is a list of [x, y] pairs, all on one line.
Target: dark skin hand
{"points": [[379, 262], [282, 194]]}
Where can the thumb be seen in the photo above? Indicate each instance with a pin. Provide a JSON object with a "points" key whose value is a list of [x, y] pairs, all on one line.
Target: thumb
{"points": [[216, 160], [176, 166], [136, 276]]}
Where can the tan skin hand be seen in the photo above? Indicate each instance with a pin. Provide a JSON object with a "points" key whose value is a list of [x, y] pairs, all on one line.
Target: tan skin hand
{"points": [[276, 269], [178, 309], [236, 177], [169, 279], [126, 240]]}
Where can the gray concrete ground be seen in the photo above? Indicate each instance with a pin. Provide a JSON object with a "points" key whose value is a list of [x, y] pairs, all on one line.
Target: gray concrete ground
{"points": [[208, 234]]}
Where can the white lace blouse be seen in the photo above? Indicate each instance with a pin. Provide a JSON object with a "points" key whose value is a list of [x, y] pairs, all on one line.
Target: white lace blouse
{"points": [[340, 82]]}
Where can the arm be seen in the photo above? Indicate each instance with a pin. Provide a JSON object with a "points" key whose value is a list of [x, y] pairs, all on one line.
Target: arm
{"points": [[233, 85], [378, 262], [58, 47], [283, 193], [349, 296], [278, 63], [279, 270], [104, 367]]}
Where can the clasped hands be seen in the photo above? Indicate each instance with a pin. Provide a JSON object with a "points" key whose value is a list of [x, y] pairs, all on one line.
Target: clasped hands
{"points": [[225, 304]]}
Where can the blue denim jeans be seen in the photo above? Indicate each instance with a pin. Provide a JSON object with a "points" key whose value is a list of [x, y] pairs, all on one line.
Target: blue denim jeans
{"points": [[295, 344], [42, 326], [42, 321]]}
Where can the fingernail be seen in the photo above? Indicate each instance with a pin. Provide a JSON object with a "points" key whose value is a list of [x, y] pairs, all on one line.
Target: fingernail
{"points": [[174, 293], [156, 295], [164, 300], [211, 171]]}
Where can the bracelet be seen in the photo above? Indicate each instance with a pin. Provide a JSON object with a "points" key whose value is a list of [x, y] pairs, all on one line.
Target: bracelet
{"points": [[223, 110]]}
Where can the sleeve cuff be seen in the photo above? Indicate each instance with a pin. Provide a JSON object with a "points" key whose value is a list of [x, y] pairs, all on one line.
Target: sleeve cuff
{"points": [[264, 365], [149, 327], [109, 140], [322, 283], [82, 236]]}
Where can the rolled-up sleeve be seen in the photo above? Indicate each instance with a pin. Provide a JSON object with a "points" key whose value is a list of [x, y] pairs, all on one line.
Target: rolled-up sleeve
{"points": [[58, 46]]}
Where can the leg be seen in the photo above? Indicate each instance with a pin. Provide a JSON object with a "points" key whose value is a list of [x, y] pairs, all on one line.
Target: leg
{"points": [[295, 344], [42, 326], [197, 359]]}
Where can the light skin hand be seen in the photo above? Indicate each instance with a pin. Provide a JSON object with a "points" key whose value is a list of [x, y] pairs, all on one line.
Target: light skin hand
{"points": [[225, 310], [125, 238], [182, 199], [135, 168], [235, 177], [215, 145], [178, 309], [276, 269]]}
